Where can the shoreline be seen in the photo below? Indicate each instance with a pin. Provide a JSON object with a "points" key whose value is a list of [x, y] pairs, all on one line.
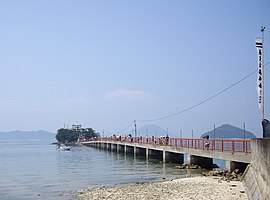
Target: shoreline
{"points": [[184, 188]]}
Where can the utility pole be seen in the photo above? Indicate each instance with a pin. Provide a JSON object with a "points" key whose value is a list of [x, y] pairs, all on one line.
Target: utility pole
{"points": [[244, 130], [214, 131], [192, 138], [135, 129], [214, 145], [244, 144], [181, 135]]}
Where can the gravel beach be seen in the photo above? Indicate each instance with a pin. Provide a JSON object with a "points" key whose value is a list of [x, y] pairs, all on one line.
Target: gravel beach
{"points": [[187, 188]]}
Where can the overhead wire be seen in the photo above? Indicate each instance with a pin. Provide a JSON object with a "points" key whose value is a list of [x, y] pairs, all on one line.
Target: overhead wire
{"points": [[204, 101], [125, 128], [198, 104]]}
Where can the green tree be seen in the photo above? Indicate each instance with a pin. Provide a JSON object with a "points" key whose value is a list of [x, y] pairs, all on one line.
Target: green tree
{"points": [[71, 135], [90, 133]]}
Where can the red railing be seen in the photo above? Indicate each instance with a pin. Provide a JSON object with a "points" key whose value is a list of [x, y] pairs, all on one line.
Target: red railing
{"points": [[222, 145]]}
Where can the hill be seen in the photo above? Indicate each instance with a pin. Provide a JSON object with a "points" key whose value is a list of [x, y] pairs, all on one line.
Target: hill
{"points": [[229, 131], [27, 135]]}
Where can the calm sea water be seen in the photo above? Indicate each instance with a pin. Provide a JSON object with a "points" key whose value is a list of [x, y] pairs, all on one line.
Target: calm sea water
{"points": [[36, 170]]}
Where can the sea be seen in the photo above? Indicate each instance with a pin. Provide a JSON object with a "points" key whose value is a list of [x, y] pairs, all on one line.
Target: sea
{"points": [[37, 170]]}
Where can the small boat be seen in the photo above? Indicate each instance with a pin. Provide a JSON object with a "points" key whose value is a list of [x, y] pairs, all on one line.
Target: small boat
{"points": [[63, 147]]}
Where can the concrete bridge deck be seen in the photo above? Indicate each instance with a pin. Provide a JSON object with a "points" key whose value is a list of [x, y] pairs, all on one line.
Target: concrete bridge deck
{"points": [[237, 153]]}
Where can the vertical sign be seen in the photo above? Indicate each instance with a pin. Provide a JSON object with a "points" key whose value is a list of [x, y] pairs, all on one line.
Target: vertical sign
{"points": [[260, 86]]}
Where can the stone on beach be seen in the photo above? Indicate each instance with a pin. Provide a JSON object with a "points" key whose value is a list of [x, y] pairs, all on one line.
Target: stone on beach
{"points": [[225, 175], [186, 188]]}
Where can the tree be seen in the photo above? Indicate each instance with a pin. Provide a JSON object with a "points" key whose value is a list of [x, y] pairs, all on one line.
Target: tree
{"points": [[90, 133], [71, 135]]}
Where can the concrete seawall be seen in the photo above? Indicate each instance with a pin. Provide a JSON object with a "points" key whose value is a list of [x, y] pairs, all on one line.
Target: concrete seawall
{"points": [[256, 178]]}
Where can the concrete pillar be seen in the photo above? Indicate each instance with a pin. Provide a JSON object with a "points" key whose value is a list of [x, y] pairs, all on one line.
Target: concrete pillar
{"points": [[204, 162], [135, 151], [112, 147], [164, 156], [146, 153]]}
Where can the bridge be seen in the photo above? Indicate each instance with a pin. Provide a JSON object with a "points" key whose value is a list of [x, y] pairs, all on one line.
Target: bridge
{"points": [[236, 153]]}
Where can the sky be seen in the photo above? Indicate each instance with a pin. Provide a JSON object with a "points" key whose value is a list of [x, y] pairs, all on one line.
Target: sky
{"points": [[104, 64]]}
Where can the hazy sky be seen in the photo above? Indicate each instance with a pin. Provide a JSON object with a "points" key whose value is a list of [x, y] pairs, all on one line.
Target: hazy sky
{"points": [[105, 63]]}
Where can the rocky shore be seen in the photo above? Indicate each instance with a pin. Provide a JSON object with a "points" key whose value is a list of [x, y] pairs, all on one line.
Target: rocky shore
{"points": [[225, 175], [205, 187]]}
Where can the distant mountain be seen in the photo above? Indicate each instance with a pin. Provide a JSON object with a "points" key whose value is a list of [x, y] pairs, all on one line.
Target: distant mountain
{"points": [[151, 130], [229, 131], [27, 135]]}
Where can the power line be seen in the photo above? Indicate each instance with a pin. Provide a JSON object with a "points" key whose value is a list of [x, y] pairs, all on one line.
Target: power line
{"points": [[125, 128], [204, 101]]}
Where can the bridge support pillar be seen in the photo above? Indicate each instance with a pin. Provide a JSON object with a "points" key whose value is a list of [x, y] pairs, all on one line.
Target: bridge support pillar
{"points": [[164, 156], [204, 162], [112, 147], [232, 165], [146, 153], [108, 146]]}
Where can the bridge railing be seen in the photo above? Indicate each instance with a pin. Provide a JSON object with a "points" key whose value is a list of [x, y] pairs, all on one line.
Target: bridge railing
{"points": [[212, 144], [223, 145]]}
